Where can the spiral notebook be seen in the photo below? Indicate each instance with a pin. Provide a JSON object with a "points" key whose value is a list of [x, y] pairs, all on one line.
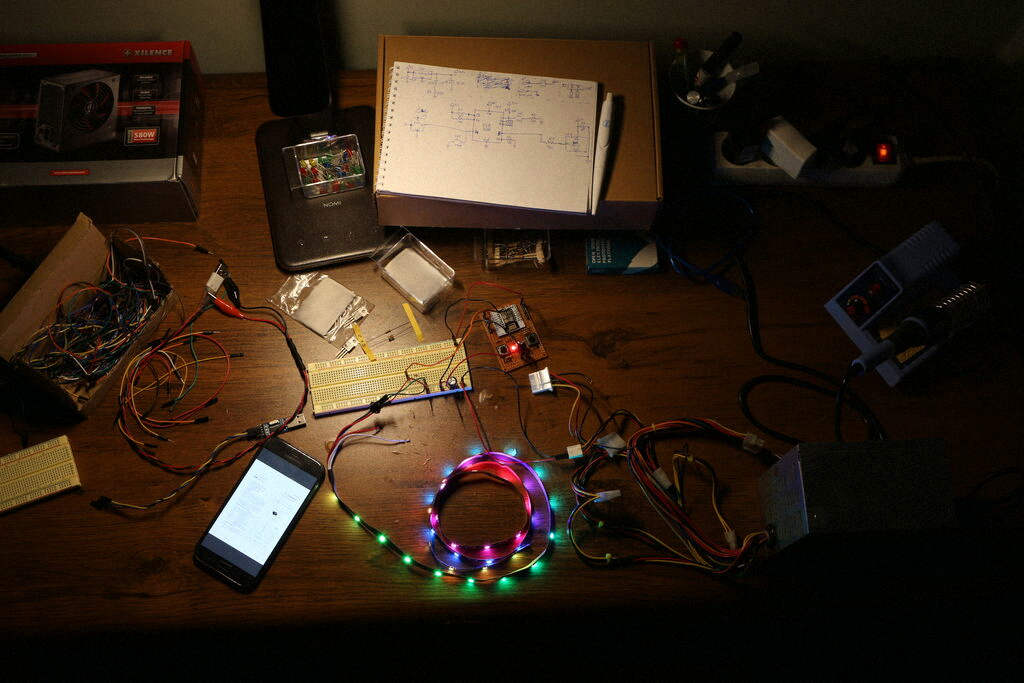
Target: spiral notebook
{"points": [[490, 138]]}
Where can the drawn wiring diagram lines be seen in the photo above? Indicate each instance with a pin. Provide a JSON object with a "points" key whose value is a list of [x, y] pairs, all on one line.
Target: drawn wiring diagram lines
{"points": [[510, 119]]}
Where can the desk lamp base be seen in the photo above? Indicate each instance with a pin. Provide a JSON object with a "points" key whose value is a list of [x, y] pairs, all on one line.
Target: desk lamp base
{"points": [[321, 231]]}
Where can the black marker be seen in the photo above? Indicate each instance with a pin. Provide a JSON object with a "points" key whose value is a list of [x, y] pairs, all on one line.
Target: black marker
{"points": [[716, 62]]}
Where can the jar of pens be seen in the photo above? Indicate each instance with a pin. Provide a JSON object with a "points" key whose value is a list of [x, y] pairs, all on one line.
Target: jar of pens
{"points": [[703, 80]]}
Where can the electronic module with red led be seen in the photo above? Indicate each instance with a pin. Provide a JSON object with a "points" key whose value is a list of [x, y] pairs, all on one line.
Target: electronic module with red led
{"points": [[513, 336]]}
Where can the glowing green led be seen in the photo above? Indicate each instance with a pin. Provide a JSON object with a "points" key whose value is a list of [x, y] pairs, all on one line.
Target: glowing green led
{"points": [[537, 567], [551, 535], [356, 519], [471, 580], [382, 539], [438, 573], [406, 559], [503, 579]]}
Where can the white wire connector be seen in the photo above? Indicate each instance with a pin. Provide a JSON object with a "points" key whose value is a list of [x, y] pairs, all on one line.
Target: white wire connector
{"points": [[753, 443], [662, 479], [540, 381], [730, 538], [574, 451], [217, 277], [214, 283], [612, 443], [605, 496]]}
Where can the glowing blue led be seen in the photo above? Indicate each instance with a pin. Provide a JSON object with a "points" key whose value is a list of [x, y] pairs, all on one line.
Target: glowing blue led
{"points": [[448, 469], [512, 450]]}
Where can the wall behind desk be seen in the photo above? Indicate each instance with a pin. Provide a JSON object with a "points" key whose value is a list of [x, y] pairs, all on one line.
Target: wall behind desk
{"points": [[226, 33]]}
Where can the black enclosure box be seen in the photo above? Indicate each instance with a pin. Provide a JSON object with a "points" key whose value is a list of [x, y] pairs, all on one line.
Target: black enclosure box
{"points": [[837, 490], [110, 129]]}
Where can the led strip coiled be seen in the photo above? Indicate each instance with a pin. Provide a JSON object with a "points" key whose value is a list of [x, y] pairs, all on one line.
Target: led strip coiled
{"points": [[473, 563], [537, 524]]}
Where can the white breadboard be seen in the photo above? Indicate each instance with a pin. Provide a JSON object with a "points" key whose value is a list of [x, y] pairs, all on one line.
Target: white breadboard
{"points": [[36, 472], [353, 383]]}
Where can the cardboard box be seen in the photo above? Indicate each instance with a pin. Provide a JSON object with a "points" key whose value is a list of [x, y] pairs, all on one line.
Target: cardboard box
{"points": [[633, 189], [111, 129], [79, 256]]}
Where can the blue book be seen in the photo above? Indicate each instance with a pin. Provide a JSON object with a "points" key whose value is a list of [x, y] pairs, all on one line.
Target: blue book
{"points": [[621, 254]]}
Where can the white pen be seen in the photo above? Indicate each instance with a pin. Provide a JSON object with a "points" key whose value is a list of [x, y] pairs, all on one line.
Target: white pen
{"points": [[604, 134]]}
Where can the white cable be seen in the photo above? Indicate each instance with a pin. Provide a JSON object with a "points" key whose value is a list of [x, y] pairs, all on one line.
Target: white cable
{"points": [[341, 442]]}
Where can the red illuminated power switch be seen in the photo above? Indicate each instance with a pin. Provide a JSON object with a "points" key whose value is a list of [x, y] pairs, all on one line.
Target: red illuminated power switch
{"points": [[884, 153]]}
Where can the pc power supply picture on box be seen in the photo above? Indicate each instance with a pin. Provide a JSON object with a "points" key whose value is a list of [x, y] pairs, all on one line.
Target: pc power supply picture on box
{"points": [[77, 109]]}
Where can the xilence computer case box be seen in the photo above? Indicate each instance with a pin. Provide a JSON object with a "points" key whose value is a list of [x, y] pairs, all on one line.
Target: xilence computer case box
{"points": [[111, 129]]}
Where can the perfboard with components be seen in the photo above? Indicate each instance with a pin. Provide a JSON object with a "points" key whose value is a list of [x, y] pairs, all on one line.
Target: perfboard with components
{"points": [[513, 336]]}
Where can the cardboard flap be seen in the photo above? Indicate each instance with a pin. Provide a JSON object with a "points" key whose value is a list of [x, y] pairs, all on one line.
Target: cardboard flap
{"points": [[76, 258]]}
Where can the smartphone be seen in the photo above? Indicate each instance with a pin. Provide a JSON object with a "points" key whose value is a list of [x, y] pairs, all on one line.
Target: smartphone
{"points": [[264, 506], [293, 48]]}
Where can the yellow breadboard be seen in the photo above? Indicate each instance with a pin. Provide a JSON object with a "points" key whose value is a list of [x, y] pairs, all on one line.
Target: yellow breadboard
{"points": [[346, 384], [36, 472]]}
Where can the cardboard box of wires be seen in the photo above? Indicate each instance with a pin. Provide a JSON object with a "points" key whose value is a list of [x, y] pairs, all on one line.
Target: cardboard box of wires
{"points": [[633, 187], [67, 334]]}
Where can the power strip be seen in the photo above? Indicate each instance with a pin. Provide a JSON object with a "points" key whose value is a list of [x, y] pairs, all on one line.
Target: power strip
{"points": [[868, 174]]}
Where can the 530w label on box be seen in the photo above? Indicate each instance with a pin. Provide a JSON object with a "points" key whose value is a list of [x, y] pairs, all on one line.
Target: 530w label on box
{"points": [[148, 135]]}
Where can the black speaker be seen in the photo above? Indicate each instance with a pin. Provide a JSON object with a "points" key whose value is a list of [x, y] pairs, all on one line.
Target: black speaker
{"points": [[293, 50]]}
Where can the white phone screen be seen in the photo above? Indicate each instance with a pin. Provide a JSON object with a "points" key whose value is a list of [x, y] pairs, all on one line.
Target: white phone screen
{"points": [[259, 512]]}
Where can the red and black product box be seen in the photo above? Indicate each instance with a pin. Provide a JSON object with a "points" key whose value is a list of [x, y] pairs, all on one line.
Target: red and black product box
{"points": [[110, 129]]}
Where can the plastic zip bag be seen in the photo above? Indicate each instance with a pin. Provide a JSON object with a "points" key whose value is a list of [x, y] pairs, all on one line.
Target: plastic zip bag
{"points": [[323, 305]]}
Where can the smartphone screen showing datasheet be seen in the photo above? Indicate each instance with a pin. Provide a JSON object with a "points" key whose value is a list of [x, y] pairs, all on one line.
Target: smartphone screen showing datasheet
{"points": [[259, 511]]}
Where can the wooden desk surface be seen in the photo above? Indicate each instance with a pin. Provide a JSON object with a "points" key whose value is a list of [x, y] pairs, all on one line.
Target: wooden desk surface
{"points": [[656, 344]]}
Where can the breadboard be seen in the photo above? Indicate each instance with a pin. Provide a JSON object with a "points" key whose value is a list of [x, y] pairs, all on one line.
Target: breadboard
{"points": [[37, 472], [513, 337], [347, 384]]}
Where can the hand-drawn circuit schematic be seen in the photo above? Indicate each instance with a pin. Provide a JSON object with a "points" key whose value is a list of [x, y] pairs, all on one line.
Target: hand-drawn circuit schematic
{"points": [[512, 115]]}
